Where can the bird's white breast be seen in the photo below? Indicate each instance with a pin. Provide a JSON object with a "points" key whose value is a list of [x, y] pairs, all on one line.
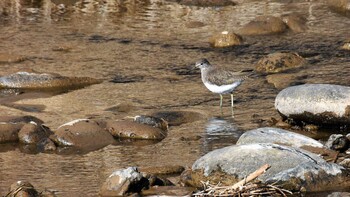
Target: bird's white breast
{"points": [[223, 89]]}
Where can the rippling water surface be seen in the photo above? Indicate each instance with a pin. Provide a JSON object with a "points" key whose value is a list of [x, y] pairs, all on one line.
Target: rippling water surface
{"points": [[156, 43]]}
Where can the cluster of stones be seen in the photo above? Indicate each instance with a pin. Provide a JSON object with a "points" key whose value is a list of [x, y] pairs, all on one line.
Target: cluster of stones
{"points": [[262, 25]]}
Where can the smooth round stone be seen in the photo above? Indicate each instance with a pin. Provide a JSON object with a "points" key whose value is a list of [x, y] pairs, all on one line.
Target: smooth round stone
{"points": [[9, 132], [291, 167], [295, 22], [32, 80], [263, 25], [340, 6], [225, 39], [277, 136], [278, 62], [134, 130], [32, 133], [315, 103], [82, 133]]}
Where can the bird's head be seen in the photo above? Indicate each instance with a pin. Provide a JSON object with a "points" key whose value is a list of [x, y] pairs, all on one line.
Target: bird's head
{"points": [[202, 64]]}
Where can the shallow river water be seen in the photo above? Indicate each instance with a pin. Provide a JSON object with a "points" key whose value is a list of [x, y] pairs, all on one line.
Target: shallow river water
{"points": [[155, 44]]}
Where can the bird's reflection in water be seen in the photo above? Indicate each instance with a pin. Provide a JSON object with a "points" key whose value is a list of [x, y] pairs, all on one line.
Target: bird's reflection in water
{"points": [[220, 132]]}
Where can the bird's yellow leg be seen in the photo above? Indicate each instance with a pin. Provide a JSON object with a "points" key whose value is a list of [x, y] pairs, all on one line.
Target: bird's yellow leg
{"points": [[232, 100], [220, 101], [232, 105]]}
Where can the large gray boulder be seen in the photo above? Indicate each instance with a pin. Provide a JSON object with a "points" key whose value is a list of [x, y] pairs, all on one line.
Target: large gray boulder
{"points": [[317, 103], [277, 136], [292, 168]]}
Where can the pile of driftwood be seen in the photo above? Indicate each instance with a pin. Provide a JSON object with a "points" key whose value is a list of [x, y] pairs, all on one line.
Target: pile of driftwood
{"points": [[244, 187]]}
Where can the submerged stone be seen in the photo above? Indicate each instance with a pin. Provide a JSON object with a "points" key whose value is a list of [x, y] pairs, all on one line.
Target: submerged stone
{"points": [[340, 6], [316, 103], [291, 168], [134, 130], [225, 39], [9, 132], [82, 133], [31, 80], [278, 62], [295, 22], [277, 136], [283, 80], [264, 25], [176, 118], [11, 58]]}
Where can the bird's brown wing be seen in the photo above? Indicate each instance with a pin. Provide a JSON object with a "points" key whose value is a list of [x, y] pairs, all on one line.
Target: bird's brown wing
{"points": [[224, 77]]}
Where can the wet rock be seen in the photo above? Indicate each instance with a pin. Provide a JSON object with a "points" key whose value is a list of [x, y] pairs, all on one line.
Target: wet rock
{"points": [[9, 132], [11, 58], [295, 22], [278, 62], [154, 180], [32, 133], [277, 136], [340, 6], [205, 3], [176, 118], [338, 142], [263, 25], [346, 45], [225, 39], [163, 170], [310, 128], [47, 145], [134, 130], [291, 168], [23, 189], [152, 121], [82, 133], [315, 103], [281, 81], [345, 163], [123, 182], [32, 80], [168, 191]]}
